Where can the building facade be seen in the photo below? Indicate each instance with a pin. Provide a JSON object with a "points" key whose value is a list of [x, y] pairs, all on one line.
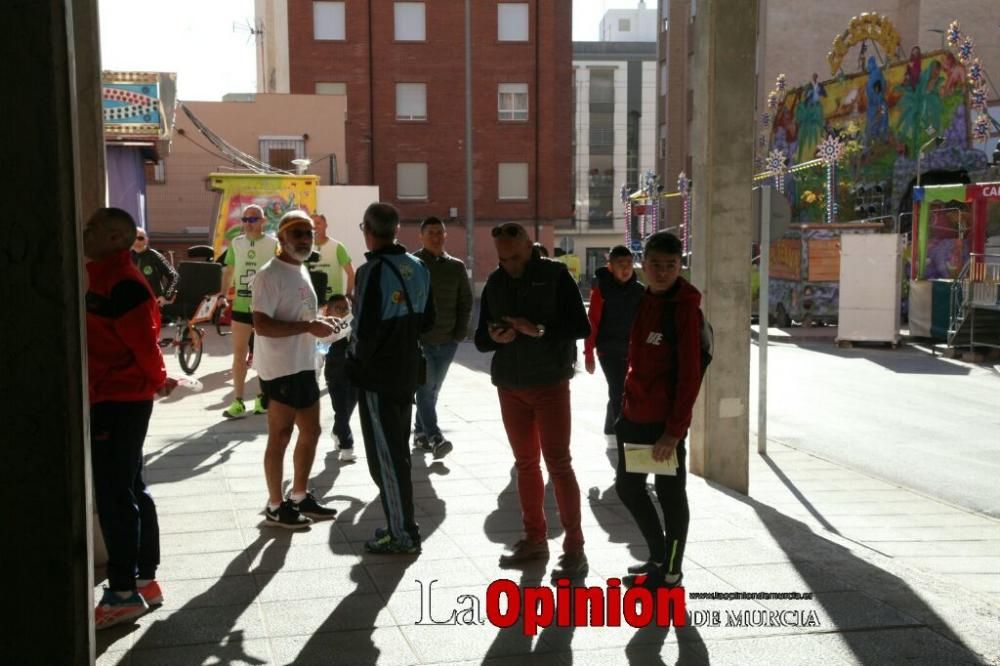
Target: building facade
{"points": [[629, 25], [271, 128], [401, 65], [615, 131], [793, 38]]}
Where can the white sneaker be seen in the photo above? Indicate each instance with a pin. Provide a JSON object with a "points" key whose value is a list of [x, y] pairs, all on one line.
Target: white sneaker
{"points": [[347, 455], [612, 442]]}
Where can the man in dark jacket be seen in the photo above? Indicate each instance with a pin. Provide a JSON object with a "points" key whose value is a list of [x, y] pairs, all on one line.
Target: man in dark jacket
{"points": [[452, 307], [392, 308], [530, 316], [125, 372], [613, 301], [161, 276]]}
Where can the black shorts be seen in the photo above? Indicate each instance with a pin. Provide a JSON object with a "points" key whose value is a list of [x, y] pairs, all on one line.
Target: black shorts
{"points": [[243, 317], [298, 391]]}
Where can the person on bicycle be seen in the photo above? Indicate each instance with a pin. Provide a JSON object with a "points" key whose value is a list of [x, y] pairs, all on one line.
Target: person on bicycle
{"points": [[246, 255], [161, 276]]}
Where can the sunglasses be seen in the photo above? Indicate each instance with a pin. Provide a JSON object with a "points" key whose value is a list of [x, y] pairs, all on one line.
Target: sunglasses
{"points": [[250, 220], [300, 233], [140, 238], [510, 230]]}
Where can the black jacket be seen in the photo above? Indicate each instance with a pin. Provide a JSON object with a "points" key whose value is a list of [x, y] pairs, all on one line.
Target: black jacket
{"points": [[612, 308], [545, 294]]}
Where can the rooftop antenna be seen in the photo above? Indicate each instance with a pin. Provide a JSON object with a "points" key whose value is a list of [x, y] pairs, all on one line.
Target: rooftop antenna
{"points": [[251, 29]]}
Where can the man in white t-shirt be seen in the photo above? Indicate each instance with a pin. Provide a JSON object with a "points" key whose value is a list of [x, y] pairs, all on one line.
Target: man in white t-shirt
{"points": [[286, 319]]}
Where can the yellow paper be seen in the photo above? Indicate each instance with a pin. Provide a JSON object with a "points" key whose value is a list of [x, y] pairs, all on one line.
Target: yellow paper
{"points": [[639, 459]]}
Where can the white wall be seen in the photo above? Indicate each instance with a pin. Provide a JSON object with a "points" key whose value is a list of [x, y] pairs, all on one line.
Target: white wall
{"points": [[344, 207], [642, 25]]}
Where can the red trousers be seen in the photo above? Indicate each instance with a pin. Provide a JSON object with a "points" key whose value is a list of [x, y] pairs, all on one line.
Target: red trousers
{"points": [[537, 421]]}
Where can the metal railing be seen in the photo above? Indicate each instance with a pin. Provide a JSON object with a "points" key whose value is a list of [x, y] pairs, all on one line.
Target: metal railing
{"points": [[978, 283]]}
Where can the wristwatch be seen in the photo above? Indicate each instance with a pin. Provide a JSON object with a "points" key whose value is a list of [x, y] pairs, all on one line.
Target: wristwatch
{"points": [[541, 329]]}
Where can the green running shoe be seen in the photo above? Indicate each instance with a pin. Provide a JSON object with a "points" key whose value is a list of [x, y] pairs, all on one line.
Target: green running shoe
{"points": [[260, 404], [237, 410]]}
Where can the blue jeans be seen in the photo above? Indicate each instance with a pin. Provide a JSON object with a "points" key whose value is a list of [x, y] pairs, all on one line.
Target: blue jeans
{"points": [[439, 358]]}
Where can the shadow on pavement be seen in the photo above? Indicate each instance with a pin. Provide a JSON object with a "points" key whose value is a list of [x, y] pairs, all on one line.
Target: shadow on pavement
{"points": [[202, 627], [877, 598], [186, 458], [904, 360], [346, 636]]}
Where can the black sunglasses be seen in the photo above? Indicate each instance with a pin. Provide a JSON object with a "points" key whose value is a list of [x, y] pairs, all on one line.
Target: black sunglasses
{"points": [[250, 220], [511, 230], [140, 238]]}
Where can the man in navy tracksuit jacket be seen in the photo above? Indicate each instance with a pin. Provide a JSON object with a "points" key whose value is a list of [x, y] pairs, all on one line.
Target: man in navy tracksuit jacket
{"points": [[392, 308]]}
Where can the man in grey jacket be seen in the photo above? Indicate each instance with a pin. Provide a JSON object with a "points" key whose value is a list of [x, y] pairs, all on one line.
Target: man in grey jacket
{"points": [[453, 305]]}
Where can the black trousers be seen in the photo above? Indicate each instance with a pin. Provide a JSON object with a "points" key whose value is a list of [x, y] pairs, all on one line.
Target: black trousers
{"points": [[614, 367], [385, 426], [124, 506], [665, 541], [344, 397]]}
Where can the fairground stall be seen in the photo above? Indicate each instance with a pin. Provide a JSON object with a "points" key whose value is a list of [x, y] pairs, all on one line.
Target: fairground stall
{"points": [[847, 150], [955, 264]]}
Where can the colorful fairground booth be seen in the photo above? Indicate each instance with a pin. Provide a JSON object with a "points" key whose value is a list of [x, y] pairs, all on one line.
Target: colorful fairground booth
{"points": [[848, 151], [955, 264], [138, 110]]}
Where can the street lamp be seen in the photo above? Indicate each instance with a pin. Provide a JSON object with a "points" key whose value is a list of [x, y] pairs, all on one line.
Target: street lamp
{"points": [[937, 141]]}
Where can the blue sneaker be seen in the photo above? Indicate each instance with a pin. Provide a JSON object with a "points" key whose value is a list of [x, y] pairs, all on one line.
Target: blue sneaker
{"points": [[114, 610]]}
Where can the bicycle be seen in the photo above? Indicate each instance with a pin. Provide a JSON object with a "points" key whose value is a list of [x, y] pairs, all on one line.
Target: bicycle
{"points": [[198, 301]]}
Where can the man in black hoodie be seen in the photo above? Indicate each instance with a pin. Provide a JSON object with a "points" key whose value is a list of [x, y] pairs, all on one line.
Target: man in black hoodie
{"points": [[614, 298], [531, 315]]}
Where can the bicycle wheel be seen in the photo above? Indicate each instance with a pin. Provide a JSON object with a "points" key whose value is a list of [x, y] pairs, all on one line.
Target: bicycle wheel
{"points": [[189, 348], [217, 319]]}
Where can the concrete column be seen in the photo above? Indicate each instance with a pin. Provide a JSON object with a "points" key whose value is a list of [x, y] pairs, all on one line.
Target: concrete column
{"points": [[722, 136], [51, 134], [677, 109]]}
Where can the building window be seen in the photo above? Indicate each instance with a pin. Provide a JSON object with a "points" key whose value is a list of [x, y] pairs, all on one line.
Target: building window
{"points": [[331, 88], [512, 101], [624, 25], [411, 101], [155, 174], [512, 22], [279, 151], [512, 181], [411, 180], [410, 24], [328, 21]]}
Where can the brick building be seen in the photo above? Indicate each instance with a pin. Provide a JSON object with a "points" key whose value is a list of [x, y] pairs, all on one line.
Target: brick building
{"points": [[401, 65]]}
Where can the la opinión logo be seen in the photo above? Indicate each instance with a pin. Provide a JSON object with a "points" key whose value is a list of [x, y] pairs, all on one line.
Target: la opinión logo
{"points": [[506, 603]]}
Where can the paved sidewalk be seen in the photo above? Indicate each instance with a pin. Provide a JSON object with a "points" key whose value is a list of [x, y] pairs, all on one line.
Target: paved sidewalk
{"points": [[896, 577]]}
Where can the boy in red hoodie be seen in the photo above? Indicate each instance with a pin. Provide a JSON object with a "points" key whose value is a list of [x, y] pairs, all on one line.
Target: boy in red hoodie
{"points": [[661, 385], [125, 372]]}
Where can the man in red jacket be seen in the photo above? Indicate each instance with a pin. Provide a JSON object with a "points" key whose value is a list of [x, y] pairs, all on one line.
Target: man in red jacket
{"points": [[661, 385], [125, 372]]}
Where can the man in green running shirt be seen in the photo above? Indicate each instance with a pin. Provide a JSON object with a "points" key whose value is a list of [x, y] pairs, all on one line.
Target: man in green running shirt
{"points": [[247, 254]]}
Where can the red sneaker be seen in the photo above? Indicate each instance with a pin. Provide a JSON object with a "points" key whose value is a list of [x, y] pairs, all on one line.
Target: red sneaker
{"points": [[151, 593], [112, 609]]}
